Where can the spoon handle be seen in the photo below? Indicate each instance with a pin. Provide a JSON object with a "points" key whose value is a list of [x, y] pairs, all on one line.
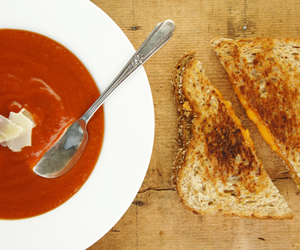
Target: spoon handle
{"points": [[157, 38]]}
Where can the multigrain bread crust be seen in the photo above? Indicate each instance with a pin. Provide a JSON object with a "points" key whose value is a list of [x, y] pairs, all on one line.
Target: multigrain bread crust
{"points": [[264, 73], [216, 169]]}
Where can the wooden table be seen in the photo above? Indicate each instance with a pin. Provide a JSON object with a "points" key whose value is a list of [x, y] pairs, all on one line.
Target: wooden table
{"points": [[156, 218]]}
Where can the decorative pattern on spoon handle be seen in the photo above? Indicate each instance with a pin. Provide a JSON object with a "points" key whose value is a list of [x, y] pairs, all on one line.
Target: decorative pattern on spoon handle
{"points": [[157, 38]]}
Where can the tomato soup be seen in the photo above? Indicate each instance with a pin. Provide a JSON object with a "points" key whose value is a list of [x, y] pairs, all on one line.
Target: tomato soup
{"points": [[45, 78]]}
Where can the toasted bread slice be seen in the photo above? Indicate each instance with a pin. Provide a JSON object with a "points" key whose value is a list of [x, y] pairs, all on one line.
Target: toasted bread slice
{"points": [[216, 169], [265, 75]]}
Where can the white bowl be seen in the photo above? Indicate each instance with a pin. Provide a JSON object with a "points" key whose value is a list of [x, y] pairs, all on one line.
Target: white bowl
{"points": [[103, 48]]}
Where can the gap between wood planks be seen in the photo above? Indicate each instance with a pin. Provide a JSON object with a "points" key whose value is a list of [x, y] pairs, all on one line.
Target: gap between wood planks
{"points": [[156, 189], [173, 189]]}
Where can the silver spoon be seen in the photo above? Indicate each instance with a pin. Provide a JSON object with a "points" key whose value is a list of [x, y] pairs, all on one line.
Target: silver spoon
{"points": [[62, 156]]}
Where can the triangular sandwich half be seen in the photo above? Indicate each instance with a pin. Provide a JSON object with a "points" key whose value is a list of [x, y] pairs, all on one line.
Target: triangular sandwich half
{"points": [[265, 74], [217, 169]]}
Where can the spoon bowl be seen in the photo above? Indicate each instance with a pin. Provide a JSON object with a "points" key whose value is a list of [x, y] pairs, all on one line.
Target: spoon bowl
{"points": [[63, 155]]}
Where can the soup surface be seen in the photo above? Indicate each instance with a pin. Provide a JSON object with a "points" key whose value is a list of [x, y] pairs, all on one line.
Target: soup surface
{"points": [[42, 76]]}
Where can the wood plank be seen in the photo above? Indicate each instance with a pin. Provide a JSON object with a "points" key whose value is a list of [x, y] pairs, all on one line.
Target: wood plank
{"points": [[194, 30], [156, 219], [163, 222]]}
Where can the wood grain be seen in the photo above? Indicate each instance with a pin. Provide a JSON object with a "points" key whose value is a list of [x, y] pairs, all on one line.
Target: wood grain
{"points": [[156, 219]]}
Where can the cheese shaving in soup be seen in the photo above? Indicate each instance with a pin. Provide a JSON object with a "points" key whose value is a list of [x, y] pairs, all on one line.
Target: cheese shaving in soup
{"points": [[29, 116], [15, 132], [8, 129]]}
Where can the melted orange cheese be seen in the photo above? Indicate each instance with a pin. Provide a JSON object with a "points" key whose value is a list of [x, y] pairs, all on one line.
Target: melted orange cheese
{"points": [[263, 129], [265, 132]]}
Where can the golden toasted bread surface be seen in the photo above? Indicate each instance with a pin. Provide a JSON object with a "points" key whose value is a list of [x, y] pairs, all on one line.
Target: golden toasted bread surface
{"points": [[216, 169], [264, 73]]}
